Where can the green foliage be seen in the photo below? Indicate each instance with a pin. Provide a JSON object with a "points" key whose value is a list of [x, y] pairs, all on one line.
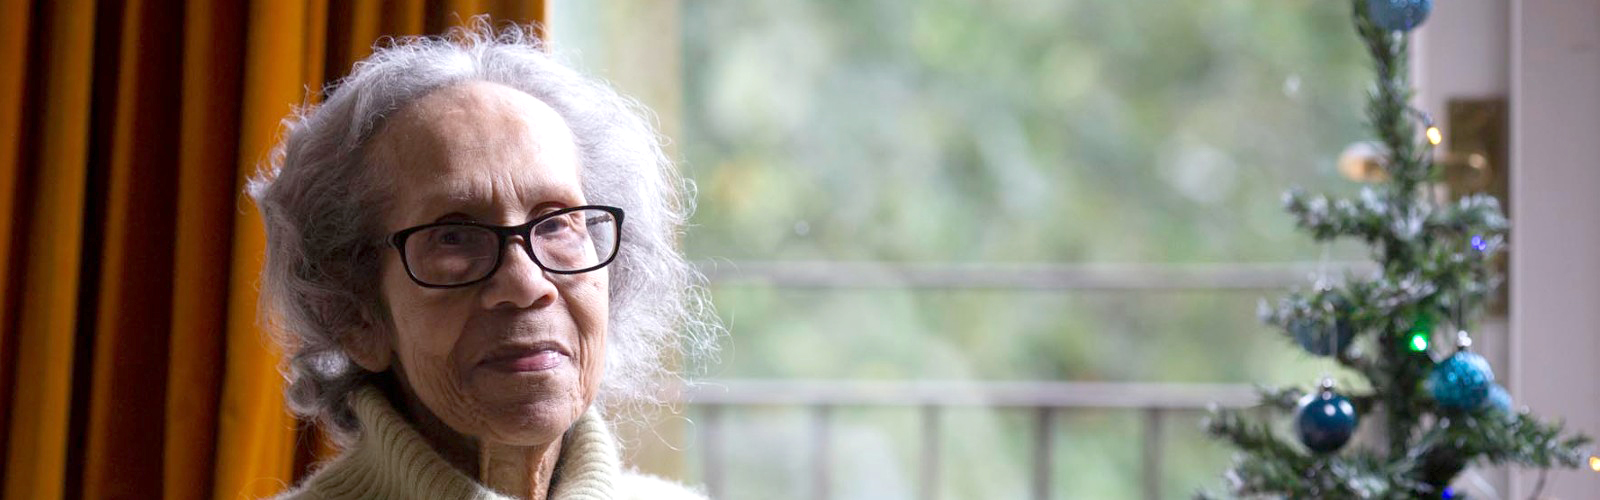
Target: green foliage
{"points": [[1037, 131], [1435, 263]]}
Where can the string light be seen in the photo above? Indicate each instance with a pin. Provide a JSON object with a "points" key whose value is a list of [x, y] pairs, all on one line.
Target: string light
{"points": [[1479, 244], [1594, 463], [1432, 132], [1419, 341]]}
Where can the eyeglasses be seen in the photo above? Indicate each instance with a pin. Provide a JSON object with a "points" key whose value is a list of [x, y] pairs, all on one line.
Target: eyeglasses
{"points": [[455, 254]]}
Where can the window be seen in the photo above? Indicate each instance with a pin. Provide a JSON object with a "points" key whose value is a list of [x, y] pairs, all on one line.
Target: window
{"points": [[984, 196]]}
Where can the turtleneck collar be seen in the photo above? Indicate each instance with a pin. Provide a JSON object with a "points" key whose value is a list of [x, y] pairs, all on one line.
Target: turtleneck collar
{"points": [[390, 459]]}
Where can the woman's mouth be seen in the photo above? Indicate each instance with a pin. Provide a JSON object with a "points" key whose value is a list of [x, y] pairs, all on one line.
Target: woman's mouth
{"points": [[525, 359]]}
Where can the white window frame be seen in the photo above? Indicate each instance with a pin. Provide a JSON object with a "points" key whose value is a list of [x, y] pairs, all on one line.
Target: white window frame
{"points": [[1543, 56]]}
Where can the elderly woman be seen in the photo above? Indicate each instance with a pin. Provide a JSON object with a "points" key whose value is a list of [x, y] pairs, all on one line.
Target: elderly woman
{"points": [[471, 252]]}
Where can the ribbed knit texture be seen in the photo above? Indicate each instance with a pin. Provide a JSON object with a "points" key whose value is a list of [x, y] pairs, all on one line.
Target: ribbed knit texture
{"points": [[390, 459]]}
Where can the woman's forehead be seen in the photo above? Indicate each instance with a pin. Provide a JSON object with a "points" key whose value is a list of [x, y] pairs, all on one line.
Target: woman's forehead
{"points": [[478, 139]]}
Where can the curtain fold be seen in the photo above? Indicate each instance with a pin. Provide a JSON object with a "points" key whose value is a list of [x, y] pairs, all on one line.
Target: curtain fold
{"points": [[135, 274], [14, 29], [133, 361], [49, 233], [255, 432], [212, 77]]}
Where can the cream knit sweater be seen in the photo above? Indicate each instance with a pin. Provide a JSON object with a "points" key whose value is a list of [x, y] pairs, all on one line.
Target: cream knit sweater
{"points": [[391, 460]]}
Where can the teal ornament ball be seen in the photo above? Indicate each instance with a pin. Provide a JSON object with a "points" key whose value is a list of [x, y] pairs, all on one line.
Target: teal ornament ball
{"points": [[1398, 15], [1462, 381], [1325, 421], [1322, 340], [1499, 399]]}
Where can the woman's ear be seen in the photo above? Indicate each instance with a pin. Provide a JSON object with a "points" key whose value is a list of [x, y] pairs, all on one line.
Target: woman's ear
{"points": [[369, 349]]}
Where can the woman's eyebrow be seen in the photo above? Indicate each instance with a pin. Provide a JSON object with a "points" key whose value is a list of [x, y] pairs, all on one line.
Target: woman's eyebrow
{"points": [[442, 203], [455, 216], [456, 193], [475, 202]]}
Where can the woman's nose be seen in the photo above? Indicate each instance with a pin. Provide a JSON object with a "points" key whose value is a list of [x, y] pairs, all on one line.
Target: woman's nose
{"points": [[519, 283]]}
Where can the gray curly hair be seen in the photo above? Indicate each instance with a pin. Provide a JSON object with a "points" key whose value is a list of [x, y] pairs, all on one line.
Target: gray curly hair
{"points": [[321, 203]]}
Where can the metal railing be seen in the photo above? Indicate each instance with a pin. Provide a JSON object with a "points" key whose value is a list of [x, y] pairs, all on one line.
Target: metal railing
{"points": [[1026, 276], [1045, 400]]}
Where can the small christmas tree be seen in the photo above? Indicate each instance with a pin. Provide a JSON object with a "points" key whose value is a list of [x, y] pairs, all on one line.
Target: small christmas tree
{"points": [[1437, 407]]}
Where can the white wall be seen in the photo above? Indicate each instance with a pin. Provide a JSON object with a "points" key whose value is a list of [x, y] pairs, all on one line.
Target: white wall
{"points": [[1461, 51], [1555, 206]]}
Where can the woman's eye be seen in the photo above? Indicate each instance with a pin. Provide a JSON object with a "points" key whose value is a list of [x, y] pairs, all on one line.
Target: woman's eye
{"points": [[456, 236], [553, 226]]}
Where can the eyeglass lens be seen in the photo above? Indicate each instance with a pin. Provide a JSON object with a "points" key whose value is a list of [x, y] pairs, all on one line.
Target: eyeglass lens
{"points": [[452, 254]]}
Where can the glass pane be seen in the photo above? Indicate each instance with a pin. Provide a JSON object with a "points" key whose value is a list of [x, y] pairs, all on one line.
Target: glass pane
{"points": [[1023, 130], [1096, 455], [876, 454], [1193, 460], [932, 334], [1076, 132], [765, 453]]}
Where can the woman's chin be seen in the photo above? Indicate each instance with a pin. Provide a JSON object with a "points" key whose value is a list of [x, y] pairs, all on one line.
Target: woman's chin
{"points": [[536, 422]]}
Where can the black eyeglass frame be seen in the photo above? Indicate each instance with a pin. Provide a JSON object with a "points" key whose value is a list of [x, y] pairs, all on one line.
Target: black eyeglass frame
{"points": [[525, 230]]}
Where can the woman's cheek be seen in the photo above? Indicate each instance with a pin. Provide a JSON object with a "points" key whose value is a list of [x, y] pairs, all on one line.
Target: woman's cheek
{"points": [[590, 307]]}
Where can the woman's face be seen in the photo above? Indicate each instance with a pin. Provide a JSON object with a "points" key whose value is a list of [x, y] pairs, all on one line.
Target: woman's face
{"points": [[516, 358]]}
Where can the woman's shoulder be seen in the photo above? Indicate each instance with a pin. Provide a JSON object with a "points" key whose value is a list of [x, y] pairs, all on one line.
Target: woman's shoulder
{"points": [[637, 485]]}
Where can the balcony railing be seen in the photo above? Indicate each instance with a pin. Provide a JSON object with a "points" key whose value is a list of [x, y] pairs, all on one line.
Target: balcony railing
{"points": [[1045, 400], [1028, 276]]}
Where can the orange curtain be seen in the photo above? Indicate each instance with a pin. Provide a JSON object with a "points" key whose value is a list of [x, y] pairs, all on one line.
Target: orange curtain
{"points": [[131, 362]]}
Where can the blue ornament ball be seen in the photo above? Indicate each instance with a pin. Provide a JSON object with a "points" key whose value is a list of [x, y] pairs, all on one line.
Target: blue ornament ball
{"points": [[1462, 381], [1320, 339], [1398, 15], [1325, 421], [1499, 399]]}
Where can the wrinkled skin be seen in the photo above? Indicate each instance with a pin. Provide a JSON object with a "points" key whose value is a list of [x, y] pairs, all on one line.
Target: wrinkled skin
{"points": [[487, 153]]}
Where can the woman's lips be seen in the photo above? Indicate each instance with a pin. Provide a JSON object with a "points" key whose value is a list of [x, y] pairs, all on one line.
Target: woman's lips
{"points": [[526, 360]]}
